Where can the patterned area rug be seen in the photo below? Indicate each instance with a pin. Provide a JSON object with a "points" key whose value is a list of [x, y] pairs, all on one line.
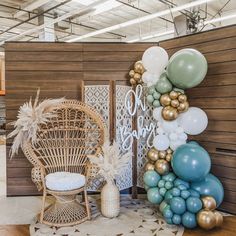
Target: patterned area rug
{"points": [[136, 218]]}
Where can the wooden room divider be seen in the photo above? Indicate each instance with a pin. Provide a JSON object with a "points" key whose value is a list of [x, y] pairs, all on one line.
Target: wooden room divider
{"points": [[62, 69]]}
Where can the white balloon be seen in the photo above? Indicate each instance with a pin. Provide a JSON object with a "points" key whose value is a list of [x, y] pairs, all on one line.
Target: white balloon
{"points": [[183, 136], [175, 144], [173, 136], [169, 126], [194, 121], [161, 142], [179, 130], [155, 59], [150, 78], [157, 113], [160, 130]]}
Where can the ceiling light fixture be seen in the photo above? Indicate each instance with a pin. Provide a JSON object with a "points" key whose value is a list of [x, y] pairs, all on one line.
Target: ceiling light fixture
{"points": [[219, 19], [150, 36], [140, 20]]}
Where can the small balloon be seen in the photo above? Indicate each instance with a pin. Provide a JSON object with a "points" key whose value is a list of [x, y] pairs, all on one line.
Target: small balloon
{"points": [[150, 99], [173, 95], [157, 113], [209, 203], [138, 67], [149, 166], [152, 154], [131, 73], [156, 103], [189, 220], [182, 98], [137, 76], [162, 167], [161, 142], [154, 196], [174, 103], [162, 154], [132, 81], [193, 204], [168, 157], [206, 219], [177, 205], [151, 178], [183, 107], [169, 113], [163, 85], [165, 100], [219, 218]]}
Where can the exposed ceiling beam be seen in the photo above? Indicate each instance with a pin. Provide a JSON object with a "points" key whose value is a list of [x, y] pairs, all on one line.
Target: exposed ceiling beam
{"points": [[81, 11], [29, 7]]}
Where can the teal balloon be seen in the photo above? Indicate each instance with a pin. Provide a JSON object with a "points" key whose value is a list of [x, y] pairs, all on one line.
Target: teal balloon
{"points": [[169, 221], [168, 185], [168, 196], [156, 95], [156, 103], [150, 99], [162, 206], [189, 220], [176, 219], [191, 162], [182, 187], [177, 205], [187, 68], [169, 177], [193, 143], [185, 194], [151, 90], [194, 204], [175, 192], [210, 186], [161, 183], [163, 85], [178, 182], [162, 191], [146, 187], [154, 196], [194, 193], [151, 178], [167, 213]]}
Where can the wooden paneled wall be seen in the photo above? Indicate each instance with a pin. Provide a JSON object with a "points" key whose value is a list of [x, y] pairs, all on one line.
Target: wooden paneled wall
{"points": [[59, 69], [217, 96]]}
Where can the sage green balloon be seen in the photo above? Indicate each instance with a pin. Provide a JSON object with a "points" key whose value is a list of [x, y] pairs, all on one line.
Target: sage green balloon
{"points": [[151, 90], [156, 103], [156, 95], [163, 85], [179, 90], [187, 68], [150, 99]]}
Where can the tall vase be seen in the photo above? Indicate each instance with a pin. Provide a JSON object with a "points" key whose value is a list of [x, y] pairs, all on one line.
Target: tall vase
{"points": [[110, 200]]}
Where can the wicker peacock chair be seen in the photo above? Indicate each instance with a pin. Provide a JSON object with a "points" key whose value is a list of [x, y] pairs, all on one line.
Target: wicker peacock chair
{"points": [[62, 146]]}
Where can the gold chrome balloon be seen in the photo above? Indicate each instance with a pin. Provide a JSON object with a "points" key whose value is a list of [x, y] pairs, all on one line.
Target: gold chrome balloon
{"points": [[169, 113], [182, 98], [162, 154], [168, 157], [209, 203], [138, 67], [131, 73], [165, 100], [162, 167], [152, 154], [137, 76], [132, 81], [183, 107], [206, 219], [219, 218], [149, 166], [174, 103], [169, 151], [173, 95]]}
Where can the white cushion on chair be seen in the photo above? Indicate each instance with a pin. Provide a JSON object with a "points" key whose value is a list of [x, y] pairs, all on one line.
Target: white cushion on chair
{"points": [[64, 181]]}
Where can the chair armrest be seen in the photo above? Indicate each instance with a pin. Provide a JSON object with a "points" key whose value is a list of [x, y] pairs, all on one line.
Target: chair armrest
{"points": [[38, 176]]}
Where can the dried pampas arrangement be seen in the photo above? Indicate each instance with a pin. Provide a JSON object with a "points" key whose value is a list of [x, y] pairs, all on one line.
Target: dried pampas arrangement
{"points": [[30, 116], [111, 161]]}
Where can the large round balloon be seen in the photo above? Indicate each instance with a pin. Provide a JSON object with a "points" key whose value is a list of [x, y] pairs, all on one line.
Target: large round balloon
{"points": [[191, 162], [194, 121], [187, 68], [210, 186], [161, 142], [155, 59]]}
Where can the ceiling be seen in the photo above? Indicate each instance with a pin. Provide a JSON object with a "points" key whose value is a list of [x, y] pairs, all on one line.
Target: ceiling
{"points": [[27, 20]]}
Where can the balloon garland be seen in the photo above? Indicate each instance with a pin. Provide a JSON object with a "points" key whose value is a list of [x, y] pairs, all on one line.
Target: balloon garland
{"points": [[177, 174]]}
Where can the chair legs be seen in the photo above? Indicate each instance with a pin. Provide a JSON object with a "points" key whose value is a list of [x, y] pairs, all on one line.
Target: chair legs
{"points": [[43, 206], [87, 203]]}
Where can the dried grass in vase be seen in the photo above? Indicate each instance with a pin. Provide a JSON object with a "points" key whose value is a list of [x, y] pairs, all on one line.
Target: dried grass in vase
{"points": [[111, 162]]}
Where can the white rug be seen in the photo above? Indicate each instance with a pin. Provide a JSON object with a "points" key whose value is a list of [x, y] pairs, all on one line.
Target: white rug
{"points": [[136, 218]]}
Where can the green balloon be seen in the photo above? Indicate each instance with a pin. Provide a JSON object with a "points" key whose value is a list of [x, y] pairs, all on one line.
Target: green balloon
{"points": [[150, 99], [156, 95], [163, 85], [179, 90], [151, 90], [187, 68], [162, 206], [156, 103]]}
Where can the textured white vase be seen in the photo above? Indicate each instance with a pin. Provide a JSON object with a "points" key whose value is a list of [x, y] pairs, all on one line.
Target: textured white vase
{"points": [[110, 200]]}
